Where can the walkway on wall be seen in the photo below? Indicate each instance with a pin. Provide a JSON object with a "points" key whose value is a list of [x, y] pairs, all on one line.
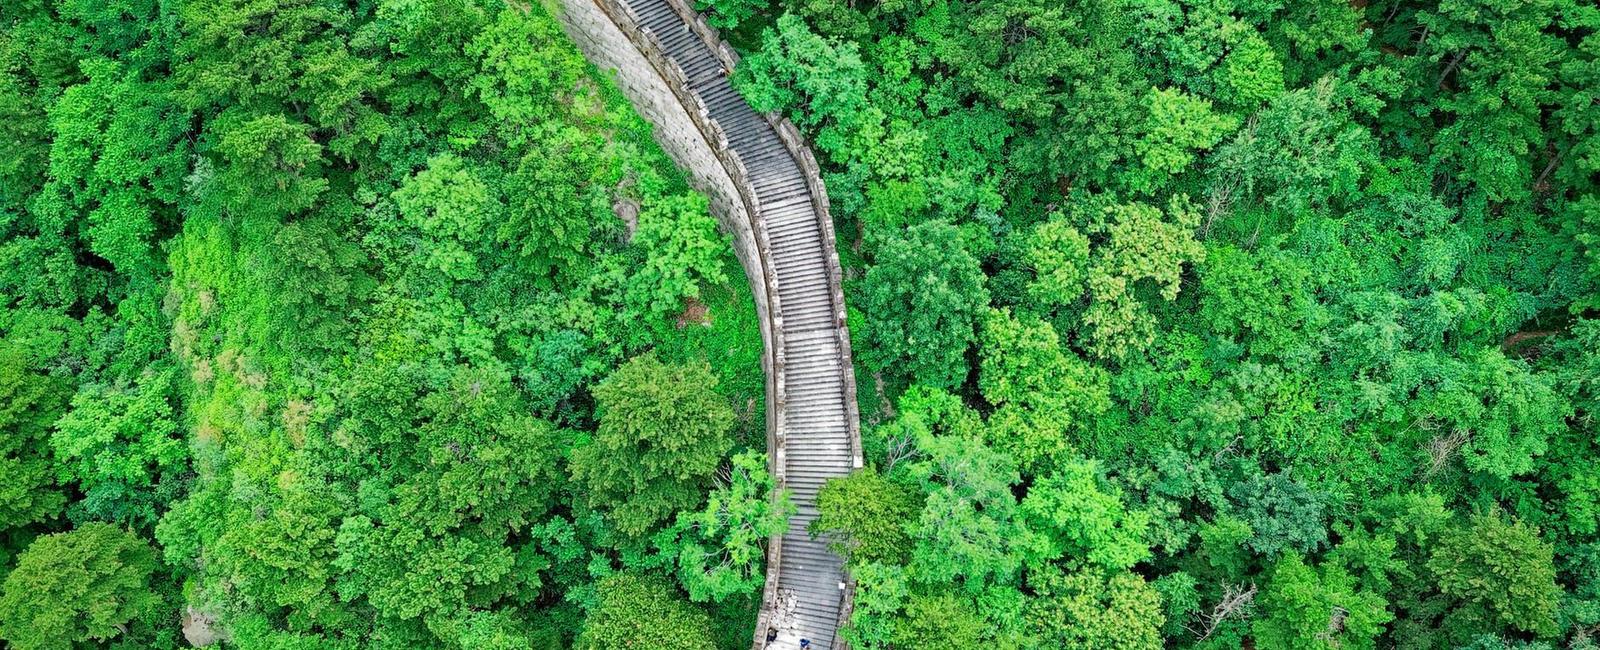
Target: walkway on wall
{"points": [[813, 425]]}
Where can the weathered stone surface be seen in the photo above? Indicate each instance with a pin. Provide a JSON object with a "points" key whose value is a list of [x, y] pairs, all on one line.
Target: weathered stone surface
{"points": [[767, 192], [200, 628]]}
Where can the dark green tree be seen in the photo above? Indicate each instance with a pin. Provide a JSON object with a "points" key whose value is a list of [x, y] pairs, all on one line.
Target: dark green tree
{"points": [[663, 432], [922, 298]]}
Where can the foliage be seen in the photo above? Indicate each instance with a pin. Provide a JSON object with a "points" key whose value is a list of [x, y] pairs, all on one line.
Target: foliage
{"points": [[718, 550], [319, 296], [1308, 608], [1084, 522], [642, 611], [28, 403], [1268, 298], [1178, 323], [663, 431], [1502, 574], [1088, 609], [864, 517], [1281, 513], [923, 299], [118, 443], [74, 587]]}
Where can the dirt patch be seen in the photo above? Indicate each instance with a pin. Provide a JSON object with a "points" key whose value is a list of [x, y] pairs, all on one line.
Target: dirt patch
{"points": [[1527, 345], [694, 313]]}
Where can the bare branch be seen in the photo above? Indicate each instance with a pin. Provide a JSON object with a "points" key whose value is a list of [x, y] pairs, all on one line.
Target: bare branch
{"points": [[1451, 67], [1236, 602]]}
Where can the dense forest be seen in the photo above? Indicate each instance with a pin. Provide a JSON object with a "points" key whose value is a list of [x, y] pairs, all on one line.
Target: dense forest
{"points": [[332, 324], [366, 325], [1211, 323]]}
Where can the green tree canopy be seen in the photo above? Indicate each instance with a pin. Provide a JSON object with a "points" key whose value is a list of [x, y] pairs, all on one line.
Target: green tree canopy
{"points": [[864, 516], [1502, 575], [75, 587], [635, 611], [922, 300], [663, 432]]}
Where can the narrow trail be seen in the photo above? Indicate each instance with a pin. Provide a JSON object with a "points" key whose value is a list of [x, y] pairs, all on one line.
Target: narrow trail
{"points": [[767, 191]]}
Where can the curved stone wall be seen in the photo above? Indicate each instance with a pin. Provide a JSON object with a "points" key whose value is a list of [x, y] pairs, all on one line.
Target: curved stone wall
{"points": [[767, 193]]}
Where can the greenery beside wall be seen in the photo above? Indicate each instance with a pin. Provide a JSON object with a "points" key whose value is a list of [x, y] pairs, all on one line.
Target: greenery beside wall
{"points": [[1210, 324], [321, 322]]}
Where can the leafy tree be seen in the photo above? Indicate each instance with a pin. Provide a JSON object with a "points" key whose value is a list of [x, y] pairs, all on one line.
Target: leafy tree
{"points": [[1058, 254], [29, 404], [881, 591], [1501, 573], [325, 276], [556, 206], [822, 80], [864, 516], [663, 431], [1282, 514], [1263, 299], [1321, 607], [118, 443], [448, 206], [718, 551], [1177, 126], [1507, 414], [1084, 521], [1142, 242], [1503, 59], [1044, 393], [265, 166], [723, 14], [642, 611], [681, 255], [923, 298], [117, 159], [943, 619], [1252, 72], [969, 530], [1295, 155], [443, 535], [75, 587], [1224, 545], [1089, 609]]}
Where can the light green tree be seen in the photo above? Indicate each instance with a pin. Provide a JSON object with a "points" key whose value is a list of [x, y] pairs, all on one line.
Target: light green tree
{"points": [[1143, 243], [635, 611], [1178, 127], [1045, 394], [1089, 609], [1084, 520], [76, 587], [1318, 607], [449, 207], [718, 550]]}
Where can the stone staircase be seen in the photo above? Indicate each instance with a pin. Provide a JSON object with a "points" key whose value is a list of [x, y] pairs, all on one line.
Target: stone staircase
{"points": [[813, 424]]}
